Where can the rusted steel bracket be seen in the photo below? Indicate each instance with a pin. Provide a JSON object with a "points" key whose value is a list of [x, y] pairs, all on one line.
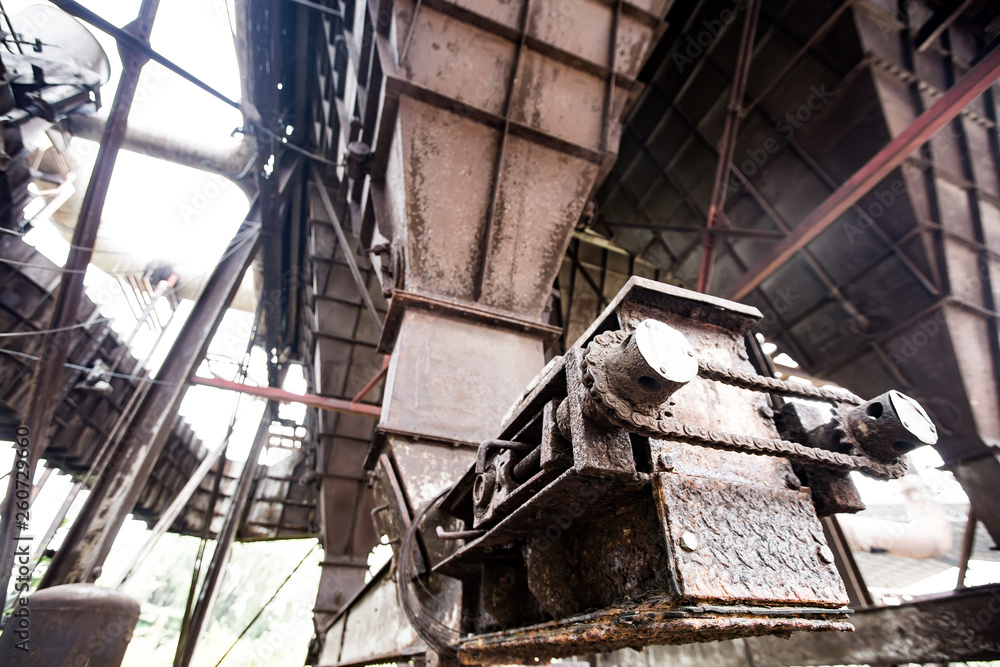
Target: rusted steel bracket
{"points": [[642, 492]]}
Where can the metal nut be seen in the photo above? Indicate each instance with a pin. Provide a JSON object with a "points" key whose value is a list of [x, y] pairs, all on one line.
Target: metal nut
{"points": [[689, 541]]}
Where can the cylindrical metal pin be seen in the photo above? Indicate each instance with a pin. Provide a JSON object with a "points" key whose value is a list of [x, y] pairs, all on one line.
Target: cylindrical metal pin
{"points": [[651, 364], [890, 425]]}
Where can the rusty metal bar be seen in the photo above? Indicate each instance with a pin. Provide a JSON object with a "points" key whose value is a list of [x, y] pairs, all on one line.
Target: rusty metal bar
{"points": [[140, 45], [578, 265], [722, 231], [48, 374], [940, 21], [374, 381], [729, 134], [843, 558], [823, 29], [115, 493], [281, 396], [978, 79], [37, 486], [213, 578], [348, 253], [968, 541]]}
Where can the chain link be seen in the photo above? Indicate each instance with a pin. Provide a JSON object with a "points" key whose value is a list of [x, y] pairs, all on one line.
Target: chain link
{"points": [[620, 412], [774, 385]]}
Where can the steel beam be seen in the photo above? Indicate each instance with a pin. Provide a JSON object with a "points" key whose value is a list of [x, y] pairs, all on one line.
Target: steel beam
{"points": [[281, 396], [117, 490], [345, 246], [213, 578], [49, 372], [958, 627], [953, 628], [731, 130], [976, 80]]}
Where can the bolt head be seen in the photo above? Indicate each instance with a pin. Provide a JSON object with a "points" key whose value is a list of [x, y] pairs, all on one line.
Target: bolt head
{"points": [[666, 462], [825, 554], [689, 541]]}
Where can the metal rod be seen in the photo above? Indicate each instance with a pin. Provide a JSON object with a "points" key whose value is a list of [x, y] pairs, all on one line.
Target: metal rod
{"points": [[721, 231], [269, 601], [37, 487], [586, 275], [968, 542], [780, 76], [348, 254], [213, 578], [170, 514], [281, 396], [729, 135], [938, 23], [978, 79], [141, 45], [459, 534], [132, 460], [41, 407], [374, 381], [319, 8]]}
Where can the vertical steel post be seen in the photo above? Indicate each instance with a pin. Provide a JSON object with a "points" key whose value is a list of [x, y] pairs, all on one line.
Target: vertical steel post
{"points": [[729, 134], [213, 578], [49, 372]]}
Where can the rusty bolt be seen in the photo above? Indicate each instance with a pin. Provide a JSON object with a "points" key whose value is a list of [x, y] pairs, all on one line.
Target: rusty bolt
{"points": [[765, 411], [666, 462], [689, 541], [825, 555]]}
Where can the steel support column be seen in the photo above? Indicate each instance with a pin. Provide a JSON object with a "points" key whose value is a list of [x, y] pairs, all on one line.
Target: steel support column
{"points": [[49, 372], [117, 490], [210, 588], [978, 79], [731, 130]]}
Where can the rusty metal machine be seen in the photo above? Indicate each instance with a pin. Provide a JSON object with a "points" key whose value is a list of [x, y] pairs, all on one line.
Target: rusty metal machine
{"points": [[651, 488]]}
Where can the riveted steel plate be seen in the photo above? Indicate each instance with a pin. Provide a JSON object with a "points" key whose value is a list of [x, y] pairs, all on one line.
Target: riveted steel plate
{"points": [[739, 541]]}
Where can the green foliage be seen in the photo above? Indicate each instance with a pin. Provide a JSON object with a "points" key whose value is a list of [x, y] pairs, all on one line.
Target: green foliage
{"points": [[255, 570]]}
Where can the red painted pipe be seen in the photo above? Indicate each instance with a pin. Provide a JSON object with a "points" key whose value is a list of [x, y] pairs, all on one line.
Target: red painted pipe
{"points": [[282, 396]]}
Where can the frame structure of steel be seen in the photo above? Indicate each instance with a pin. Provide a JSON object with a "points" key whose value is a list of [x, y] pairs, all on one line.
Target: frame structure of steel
{"points": [[41, 406], [942, 112], [115, 493]]}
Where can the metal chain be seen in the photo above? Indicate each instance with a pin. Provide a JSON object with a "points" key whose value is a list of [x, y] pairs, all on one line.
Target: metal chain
{"points": [[768, 385], [620, 412]]}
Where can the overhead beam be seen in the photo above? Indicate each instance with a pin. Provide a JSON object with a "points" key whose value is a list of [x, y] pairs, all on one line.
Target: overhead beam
{"points": [[976, 80], [282, 396]]}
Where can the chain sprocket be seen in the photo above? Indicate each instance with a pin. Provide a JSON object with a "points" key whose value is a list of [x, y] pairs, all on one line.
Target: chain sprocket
{"points": [[620, 412]]}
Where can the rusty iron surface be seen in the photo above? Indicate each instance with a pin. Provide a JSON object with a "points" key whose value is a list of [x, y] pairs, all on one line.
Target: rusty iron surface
{"points": [[769, 535], [647, 535], [635, 625], [73, 624]]}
